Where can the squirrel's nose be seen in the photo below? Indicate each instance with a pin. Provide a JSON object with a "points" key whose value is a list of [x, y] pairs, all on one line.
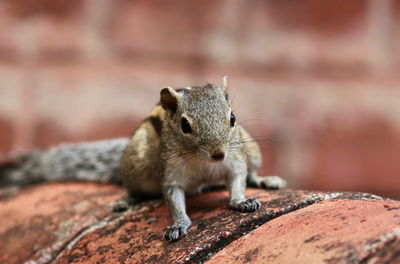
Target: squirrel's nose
{"points": [[218, 156]]}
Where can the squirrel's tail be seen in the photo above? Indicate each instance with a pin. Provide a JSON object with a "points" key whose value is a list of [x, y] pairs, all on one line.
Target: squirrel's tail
{"points": [[92, 162], [21, 170]]}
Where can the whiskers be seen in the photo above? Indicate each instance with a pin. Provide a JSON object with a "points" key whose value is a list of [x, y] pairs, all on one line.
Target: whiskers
{"points": [[256, 127], [257, 143], [254, 124], [177, 154]]}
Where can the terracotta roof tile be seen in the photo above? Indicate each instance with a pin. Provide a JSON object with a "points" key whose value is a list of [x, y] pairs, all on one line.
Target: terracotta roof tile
{"points": [[73, 223]]}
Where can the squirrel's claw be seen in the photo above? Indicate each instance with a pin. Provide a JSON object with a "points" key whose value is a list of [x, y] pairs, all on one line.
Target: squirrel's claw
{"points": [[174, 233], [250, 205]]}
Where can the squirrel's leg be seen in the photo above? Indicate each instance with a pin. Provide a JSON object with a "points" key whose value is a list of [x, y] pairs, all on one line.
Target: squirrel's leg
{"points": [[253, 160], [175, 198], [266, 182], [237, 187], [253, 164]]}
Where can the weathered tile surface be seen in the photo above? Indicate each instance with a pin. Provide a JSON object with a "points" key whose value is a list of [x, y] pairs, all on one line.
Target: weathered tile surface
{"points": [[73, 223], [136, 237], [38, 222], [341, 231]]}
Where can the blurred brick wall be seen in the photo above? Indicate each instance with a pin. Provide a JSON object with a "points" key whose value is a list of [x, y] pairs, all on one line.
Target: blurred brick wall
{"points": [[315, 81]]}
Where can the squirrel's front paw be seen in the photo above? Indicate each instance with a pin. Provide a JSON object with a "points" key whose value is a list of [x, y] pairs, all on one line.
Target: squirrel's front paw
{"points": [[250, 205], [175, 232]]}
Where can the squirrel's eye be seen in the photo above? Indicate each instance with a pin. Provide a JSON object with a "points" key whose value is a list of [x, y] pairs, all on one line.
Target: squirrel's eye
{"points": [[185, 126], [233, 119]]}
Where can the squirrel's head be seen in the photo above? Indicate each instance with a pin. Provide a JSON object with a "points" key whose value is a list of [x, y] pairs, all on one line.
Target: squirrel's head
{"points": [[200, 119]]}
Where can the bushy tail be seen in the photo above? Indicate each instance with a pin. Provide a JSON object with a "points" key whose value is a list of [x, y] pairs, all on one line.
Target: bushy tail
{"points": [[94, 162], [21, 170]]}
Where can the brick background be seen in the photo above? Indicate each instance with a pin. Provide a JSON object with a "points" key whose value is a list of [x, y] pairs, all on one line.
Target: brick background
{"points": [[315, 82]]}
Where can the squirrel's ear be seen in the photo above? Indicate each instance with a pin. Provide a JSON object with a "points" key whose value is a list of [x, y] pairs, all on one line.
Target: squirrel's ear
{"points": [[224, 86], [169, 99]]}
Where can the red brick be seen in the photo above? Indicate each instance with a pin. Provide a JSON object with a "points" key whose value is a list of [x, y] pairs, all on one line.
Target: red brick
{"points": [[118, 127], [395, 36], [49, 133], [8, 46], [55, 8], [6, 136], [60, 40], [321, 17], [162, 29], [360, 154]]}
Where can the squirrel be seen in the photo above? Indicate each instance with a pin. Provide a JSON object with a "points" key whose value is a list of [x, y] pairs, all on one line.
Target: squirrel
{"points": [[191, 140]]}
